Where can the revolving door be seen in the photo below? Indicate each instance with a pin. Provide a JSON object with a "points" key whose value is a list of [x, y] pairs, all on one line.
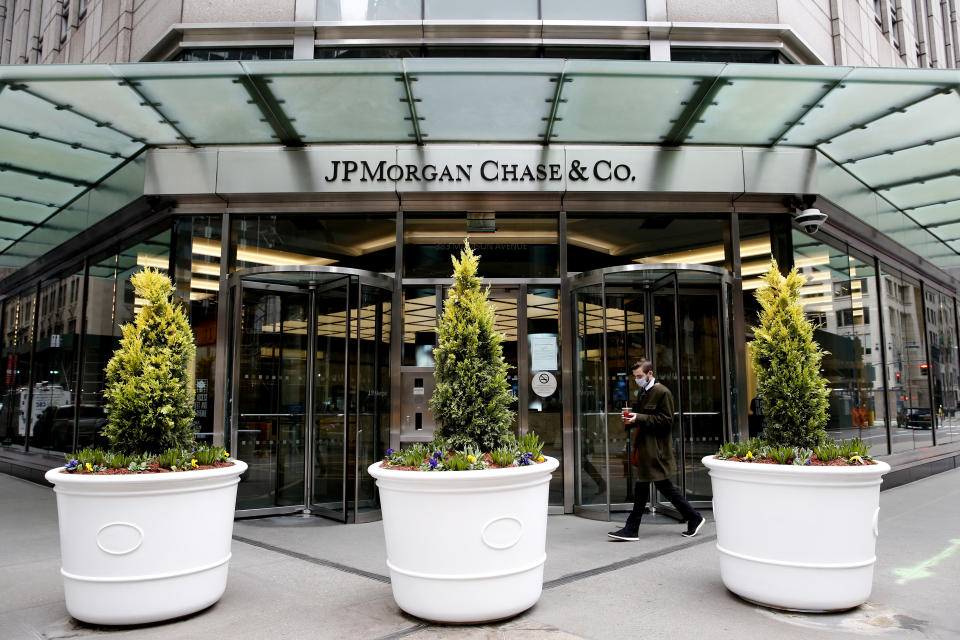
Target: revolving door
{"points": [[309, 402], [679, 318]]}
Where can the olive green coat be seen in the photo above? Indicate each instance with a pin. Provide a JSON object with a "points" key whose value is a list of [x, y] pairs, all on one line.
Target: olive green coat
{"points": [[654, 424]]}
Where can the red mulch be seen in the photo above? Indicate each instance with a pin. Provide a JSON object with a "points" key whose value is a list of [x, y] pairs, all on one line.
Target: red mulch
{"points": [[152, 468], [814, 462]]}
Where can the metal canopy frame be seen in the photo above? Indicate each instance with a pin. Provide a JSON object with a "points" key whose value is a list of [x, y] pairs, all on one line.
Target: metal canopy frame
{"points": [[64, 128]]}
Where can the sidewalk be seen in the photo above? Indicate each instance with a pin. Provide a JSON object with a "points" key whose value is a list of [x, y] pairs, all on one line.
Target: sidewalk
{"points": [[308, 578]]}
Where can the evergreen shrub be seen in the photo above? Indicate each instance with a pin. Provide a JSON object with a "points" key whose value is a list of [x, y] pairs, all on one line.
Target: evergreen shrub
{"points": [[471, 403], [149, 390]]}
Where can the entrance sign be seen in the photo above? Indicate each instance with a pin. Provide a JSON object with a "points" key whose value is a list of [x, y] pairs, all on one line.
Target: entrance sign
{"points": [[543, 352], [543, 384]]}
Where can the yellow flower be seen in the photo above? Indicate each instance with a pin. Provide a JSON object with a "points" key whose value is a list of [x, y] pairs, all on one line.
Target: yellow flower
{"points": [[749, 455], [471, 459], [226, 455], [856, 459], [541, 459], [89, 466], [193, 462]]}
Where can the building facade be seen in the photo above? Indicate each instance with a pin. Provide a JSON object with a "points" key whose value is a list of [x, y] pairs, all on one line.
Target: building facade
{"points": [[626, 170]]}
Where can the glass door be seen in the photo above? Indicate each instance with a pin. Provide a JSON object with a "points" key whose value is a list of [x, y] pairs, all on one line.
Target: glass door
{"points": [[665, 352], [675, 317], [310, 380], [271, 350], [332, 419]]}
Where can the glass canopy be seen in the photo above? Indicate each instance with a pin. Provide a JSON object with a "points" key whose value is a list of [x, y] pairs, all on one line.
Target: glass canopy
{"points": [[64, 128]]}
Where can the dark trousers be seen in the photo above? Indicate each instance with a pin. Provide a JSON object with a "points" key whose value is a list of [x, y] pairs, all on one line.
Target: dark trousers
{"points": [[641, 495]]}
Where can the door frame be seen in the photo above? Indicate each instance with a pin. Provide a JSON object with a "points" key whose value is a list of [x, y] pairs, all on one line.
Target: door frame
{"points": [[598, 277], [243, 279]]}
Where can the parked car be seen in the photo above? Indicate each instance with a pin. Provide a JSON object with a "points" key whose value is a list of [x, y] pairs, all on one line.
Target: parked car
{"points": [[92, 420], [915, 418]]}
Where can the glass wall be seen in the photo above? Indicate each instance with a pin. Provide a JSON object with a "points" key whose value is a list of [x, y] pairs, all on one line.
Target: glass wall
{"points": [[362, 10], [17, 347], [55, 368], [839, 297], [196, 246], [598, 241], [755, 255], [509, 245], [545, 413], [942, 333], [908, 387], [356, 240]]}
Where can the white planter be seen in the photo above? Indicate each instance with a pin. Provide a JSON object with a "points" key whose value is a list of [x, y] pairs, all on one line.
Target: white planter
{"points": [[141, 548], [797, 538], [465, 546]]}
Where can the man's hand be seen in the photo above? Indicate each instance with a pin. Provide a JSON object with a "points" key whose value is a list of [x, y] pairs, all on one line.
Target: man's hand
{"points": [[629, 418]]}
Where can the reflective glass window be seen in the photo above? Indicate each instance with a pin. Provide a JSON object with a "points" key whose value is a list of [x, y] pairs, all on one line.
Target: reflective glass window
{"points": [[17, 342], [487, 10], [839, 297], [908, 390], [359, 241], [101, 337], [197, 275], [419, 326], [509, 245], [545, 413], [362, 10], [942, 333], [619, 10], [597, 241], [59, 312]]}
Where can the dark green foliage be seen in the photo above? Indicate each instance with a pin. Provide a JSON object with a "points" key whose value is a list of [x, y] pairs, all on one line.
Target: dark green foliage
{"points": [[149, 389], [786, 361], [471, 402]]}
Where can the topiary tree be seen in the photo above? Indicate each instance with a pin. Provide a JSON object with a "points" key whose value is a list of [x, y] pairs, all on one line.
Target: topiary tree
{"points": [[149, 392], [786, 362], [471, 402]]}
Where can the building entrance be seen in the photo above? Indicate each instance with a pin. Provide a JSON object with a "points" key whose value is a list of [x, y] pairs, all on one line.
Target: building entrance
{"points": [[678, 317], [527, 314], [309, 404]]}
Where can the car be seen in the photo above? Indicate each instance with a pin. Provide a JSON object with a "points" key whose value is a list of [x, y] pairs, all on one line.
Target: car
{"points": [[92, 419], [915, 418]]}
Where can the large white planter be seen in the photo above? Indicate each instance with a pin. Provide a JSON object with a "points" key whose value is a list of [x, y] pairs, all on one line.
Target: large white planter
{"points": [[141, 548], [797, 538], [465, 546]]}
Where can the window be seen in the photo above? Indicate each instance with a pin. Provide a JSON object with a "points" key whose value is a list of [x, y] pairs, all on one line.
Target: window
{"points": [[878, 12], [81, 9], [64, 21], [894, 24]]}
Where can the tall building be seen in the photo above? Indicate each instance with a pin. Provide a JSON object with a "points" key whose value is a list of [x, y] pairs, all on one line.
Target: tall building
{"points": [[625, 168]]}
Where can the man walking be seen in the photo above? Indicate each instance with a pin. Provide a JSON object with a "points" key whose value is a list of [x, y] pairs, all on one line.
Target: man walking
{"points": [[653, 456]]}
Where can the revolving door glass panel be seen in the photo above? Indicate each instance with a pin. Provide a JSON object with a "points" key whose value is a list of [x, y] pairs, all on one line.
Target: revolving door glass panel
{"points": [[271, 396], [310, 383], [676, 319]]}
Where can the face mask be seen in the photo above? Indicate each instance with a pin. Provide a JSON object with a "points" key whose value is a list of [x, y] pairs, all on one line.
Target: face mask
{"points": [[641, 381]]}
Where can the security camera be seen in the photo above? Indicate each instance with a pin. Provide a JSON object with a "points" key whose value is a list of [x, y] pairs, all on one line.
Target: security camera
{"points": [[810, 219]]}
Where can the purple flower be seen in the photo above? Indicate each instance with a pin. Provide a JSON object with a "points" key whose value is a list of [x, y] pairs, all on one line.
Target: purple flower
{"points": [[72, 464], [433, 463], [436, 455], [390, 452]]}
